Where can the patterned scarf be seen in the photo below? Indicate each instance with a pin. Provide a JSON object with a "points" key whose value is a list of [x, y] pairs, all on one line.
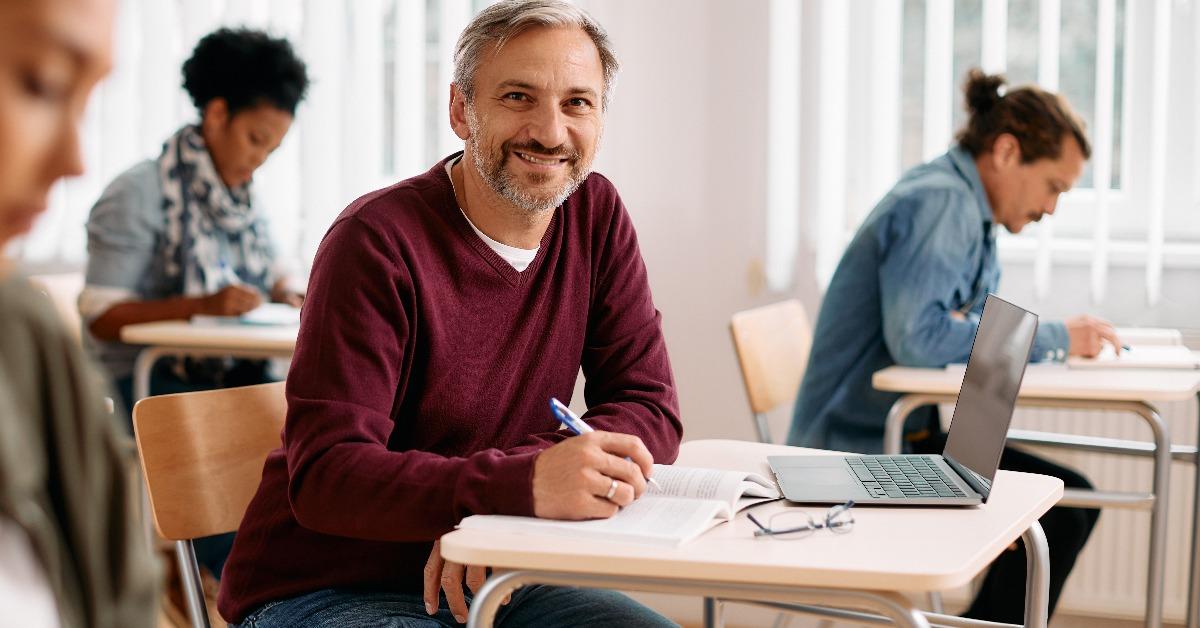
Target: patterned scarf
{"points": [[214, 238]]}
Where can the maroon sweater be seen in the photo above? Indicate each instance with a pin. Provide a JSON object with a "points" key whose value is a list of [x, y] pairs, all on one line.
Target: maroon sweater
{"points": [[418, 391]]}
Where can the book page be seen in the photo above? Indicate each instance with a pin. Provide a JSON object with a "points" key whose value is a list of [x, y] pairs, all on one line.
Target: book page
{"points": [[653, 520], [724, 486]]}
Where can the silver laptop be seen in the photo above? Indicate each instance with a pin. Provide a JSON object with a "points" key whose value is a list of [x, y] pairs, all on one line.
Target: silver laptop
{"points": [[963, 474]]}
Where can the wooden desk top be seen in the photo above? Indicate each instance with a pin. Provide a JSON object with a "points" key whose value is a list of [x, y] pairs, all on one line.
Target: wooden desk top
{"points": [[281, 339], [1055, 381], [893, 549]]}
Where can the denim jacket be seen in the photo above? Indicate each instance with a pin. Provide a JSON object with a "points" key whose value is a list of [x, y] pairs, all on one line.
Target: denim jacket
{"points": [[927, 250]]}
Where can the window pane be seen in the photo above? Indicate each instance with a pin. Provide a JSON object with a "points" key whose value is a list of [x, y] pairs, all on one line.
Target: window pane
{"points": [[1022, 42], [968, 51], [1077, 65], [1118, 92], [434, 116], [912, 88], [389, 88]]}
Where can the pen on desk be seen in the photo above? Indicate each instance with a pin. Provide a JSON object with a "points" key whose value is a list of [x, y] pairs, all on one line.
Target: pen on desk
{"points": [[576, 424]]}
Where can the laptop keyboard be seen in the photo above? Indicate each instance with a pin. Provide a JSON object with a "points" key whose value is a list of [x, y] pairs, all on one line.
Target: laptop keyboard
{"points": [[902, 476]]}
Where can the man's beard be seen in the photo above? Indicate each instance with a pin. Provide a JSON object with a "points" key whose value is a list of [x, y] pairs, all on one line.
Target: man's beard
{"points": [[491, 168]]}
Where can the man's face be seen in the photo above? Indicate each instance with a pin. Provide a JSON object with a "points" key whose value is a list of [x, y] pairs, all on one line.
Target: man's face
{"points": [[534, 126], [52, 54], [1021, 193]]}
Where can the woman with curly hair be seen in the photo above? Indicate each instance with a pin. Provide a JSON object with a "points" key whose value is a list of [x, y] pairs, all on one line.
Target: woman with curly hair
{"points": [[181, 235]]}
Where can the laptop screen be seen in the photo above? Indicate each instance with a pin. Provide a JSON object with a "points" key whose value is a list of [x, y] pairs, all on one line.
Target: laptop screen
{"points": [[984, 410]]}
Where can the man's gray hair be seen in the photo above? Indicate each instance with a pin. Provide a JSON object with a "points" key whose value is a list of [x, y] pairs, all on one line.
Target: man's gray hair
{"points": [[502, 21]]}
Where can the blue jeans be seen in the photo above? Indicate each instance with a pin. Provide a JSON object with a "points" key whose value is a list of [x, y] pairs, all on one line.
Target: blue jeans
{"points": [[535, 605]]}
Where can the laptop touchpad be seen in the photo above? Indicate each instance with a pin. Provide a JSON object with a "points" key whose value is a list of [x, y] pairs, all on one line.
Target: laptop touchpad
{"points": [[821, 476]]}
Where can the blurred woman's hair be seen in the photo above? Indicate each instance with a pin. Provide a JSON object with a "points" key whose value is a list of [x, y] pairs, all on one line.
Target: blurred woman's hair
{"points": [[1040, 120], [246, 68]]}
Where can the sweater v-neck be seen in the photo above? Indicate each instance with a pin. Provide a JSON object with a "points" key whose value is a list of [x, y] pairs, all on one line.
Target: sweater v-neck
{"points": [[458, 218]]}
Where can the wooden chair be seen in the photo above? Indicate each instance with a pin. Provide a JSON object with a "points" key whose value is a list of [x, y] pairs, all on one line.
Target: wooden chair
{"points": [[772, 344], [202, 455]]}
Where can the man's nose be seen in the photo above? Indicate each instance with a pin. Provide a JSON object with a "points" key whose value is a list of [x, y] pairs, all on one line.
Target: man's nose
{"points": [[548, 126], [1051, 205]]}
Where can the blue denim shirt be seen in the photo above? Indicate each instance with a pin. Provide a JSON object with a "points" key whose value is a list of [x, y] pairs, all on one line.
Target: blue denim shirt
{"points": [[928, 249]]}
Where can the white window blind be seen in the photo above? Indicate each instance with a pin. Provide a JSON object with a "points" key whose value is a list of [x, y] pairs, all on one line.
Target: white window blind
{"points": [[1131, 69], [376, 110]]}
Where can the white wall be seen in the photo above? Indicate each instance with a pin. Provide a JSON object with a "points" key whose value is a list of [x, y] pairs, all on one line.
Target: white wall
{"points": [[685, 144]]}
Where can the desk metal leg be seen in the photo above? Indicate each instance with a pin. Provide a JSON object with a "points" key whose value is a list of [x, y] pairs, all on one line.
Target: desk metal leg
{"points": [[141, 371], [1037, 577], [906, 404], [714, 615], [1193, 603], [891, 605]]}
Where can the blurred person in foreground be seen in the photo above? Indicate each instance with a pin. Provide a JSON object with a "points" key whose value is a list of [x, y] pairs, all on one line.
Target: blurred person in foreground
{"points": [[184, 234], [73, 549], [910, 289], [442, 314]]}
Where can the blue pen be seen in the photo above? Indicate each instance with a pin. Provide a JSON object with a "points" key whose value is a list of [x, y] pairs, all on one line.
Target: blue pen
{"points": [[576, 424], [229, 274]]}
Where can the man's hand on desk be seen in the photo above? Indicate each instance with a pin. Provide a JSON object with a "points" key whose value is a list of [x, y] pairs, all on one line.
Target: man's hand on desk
{"points": [[449, 576], [1087, 335], [588, 476]]}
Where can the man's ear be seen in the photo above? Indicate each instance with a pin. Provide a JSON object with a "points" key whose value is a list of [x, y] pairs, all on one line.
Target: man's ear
{"points": [[1006, 151], [458, 113], [216, 113]]}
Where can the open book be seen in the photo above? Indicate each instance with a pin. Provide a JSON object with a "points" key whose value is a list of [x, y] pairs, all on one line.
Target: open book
{"points": [[691, 502]]}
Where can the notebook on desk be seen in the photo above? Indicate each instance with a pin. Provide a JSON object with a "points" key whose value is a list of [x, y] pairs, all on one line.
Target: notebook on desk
{"points": [[962, 475], [1140, 357], [265, 315]]}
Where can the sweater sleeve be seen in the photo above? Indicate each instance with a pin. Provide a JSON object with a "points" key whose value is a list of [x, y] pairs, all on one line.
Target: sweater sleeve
{"points": [[345, 381], [629, 385]]}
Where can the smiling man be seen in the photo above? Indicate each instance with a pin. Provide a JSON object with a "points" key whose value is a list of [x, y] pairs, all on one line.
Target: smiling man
{"points": [[442, 314], [910, 289]]}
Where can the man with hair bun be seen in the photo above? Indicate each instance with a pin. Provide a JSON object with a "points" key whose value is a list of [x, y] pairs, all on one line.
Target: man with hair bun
{"points": [[910, 289], [442, 315]]}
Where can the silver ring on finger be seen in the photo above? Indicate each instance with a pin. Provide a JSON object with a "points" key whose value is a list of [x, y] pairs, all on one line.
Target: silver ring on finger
{"points": [[612, 490]]}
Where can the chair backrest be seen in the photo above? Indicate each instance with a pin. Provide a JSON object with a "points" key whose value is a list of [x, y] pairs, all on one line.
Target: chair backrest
{"points": [[63, 290], [202, 455], [772, 344]]}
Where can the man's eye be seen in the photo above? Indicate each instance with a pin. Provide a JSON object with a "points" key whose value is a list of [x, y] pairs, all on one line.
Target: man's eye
{"points": [[579, 103], [515, 96]]}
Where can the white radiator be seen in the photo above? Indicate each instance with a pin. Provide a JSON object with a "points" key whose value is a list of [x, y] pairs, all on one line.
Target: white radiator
{"points": [[1110, 577]]}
